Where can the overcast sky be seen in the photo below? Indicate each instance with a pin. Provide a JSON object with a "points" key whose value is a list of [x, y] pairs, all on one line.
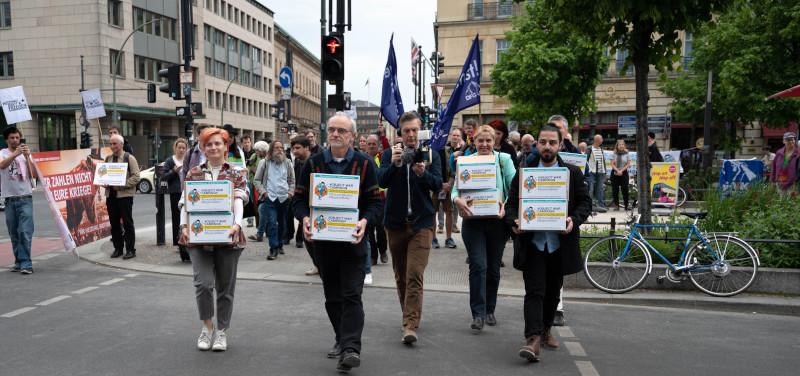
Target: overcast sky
{"points": [[367, 45]]}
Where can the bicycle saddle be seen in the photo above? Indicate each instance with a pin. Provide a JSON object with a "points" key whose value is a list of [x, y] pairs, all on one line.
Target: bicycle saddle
{"points": [[699, 215]]}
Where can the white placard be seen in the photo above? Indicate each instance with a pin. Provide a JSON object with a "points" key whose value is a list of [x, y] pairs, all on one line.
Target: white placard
{"points": [[113, 174], [334, 191], [15, 105], [476, 172], [210, 228], [93, 103], [333, 224], [576, 159], [546, 183], [208, 196], [484, 202], [542, 215]]}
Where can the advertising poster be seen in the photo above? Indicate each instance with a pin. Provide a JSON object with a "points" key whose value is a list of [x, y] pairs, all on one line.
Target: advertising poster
{"points": [[738, 174], [664, 178], [576, 159], [78, 205]]}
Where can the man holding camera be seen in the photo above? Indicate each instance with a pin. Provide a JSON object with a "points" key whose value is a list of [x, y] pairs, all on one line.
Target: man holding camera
{"points": [[411, 176], [16, 173]]}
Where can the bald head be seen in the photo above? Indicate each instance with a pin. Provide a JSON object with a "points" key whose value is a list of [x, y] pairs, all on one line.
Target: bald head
{"points": [[527, 142], [598, 140]]}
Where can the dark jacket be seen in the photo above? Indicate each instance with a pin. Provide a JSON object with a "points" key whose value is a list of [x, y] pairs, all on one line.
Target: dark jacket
{"points": [[395, 180], [507, 148], [655, 155], [579, 209], [369, 200], [172, 178]]}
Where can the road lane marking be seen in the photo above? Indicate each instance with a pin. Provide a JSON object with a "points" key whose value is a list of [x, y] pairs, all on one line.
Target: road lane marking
{"points": [[18, 312], [564, 332], [53, 300], [586, 368], [112, 281], [575, 348], [85, 290], [131, 275]]}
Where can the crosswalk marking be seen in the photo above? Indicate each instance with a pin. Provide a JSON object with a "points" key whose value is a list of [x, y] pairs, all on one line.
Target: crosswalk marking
{"points": [[18, 312], [53, 300], [586, 368], [112, 281], [131, 275], [85, 290], [564, 332], [575, 348]]}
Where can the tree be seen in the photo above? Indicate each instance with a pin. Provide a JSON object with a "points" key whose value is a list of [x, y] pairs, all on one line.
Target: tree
{"points": [[649, 31], [752, 49], [548, 69]]}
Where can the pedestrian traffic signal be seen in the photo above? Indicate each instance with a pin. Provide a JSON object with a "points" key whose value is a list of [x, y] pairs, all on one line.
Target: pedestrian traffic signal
{"points": [[333, 58], [151, 93], [438, 62], [86, 140], [173, 85]]}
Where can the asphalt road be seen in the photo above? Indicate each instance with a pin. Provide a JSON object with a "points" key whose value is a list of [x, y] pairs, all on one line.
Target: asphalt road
{"points": [[92, 320]]}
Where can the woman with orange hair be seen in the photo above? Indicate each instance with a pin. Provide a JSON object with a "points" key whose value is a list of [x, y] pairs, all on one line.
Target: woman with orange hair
{"points": [[215, 265]]}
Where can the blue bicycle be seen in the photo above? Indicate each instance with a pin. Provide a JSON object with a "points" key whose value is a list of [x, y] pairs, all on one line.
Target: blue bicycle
{"points": [[719, 264]]}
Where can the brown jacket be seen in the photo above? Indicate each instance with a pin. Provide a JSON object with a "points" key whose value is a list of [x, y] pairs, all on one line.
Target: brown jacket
{"points": [[129, 189]]}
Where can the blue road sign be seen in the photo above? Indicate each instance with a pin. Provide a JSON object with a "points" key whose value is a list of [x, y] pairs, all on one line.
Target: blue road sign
{"points": [[285, 77], [626, 125]]}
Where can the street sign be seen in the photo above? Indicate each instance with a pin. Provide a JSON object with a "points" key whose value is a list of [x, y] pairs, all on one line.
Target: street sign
{"points": [[186, 77], [285, 77], [197, 109], [286, 93], [659, 124], [626, 125]]}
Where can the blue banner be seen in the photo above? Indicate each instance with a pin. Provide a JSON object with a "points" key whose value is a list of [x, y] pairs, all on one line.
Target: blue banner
{"points": [[466, 93], [738, 174], [391, 103]]}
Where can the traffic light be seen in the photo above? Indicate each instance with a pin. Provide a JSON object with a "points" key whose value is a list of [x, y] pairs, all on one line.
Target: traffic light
{"points": [[173, 85], [151, 93], [333, 58], [438, 62], [86, 140]]}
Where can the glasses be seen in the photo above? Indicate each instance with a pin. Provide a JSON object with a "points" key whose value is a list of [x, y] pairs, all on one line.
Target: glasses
{"points": [[338, 130]]}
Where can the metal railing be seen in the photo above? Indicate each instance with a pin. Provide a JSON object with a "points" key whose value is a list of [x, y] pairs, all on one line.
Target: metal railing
{"points": [[494, 11]]}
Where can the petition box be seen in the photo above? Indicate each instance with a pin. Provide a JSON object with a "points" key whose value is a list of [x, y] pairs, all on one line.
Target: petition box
{"points": [[548, 183], [576, 159], [210, 228], [483, 202], [334, 191], [208, 196], [476, 172], [542, 215], [333, 224]]}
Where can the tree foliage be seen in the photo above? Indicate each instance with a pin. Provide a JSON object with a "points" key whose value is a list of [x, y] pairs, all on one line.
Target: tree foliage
{"points": [[548, 68], [753, 50]]}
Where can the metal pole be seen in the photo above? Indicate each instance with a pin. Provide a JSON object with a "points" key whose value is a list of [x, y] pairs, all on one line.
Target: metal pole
{"points": [[188, 55], [115, 113], [707, 125], [323, 99], [222, 111]]}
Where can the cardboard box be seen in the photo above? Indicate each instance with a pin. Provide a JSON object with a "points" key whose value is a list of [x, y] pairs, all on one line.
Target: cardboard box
{"points": [[334, 191], [208, 196], [542, 215], [544, 183], [576, 159], [476, 172], [210, 228], [333, 224], [484, 202], [114, 174]]}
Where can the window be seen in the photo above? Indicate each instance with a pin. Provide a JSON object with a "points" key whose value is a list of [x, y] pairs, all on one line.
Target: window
{"points": [[480, 50], [147, 68], [269, 63], [502, 47], [114, 12], [224, 7], [233, 72], [209, 66], [236, 17], [504, 8], [219, 69], [217, 100], [230, 12], [256, 81], [477, 9], [216, 7], [622, 55], [207, 34], [154, 24], [687, 50], [112, 54], [194, 36], [233, 44], [219, 38], [210, 98], [56, 132], [208, 4], [270, 86], [269, 34], [6, 65]]}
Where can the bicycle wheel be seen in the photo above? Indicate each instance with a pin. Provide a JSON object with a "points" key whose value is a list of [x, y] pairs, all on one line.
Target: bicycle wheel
{"points": [[726, 267], [681, 199], [606, 270]]}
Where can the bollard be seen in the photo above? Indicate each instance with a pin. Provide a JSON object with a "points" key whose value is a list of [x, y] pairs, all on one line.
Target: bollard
{"points": [[159, 192], [613, 226]]}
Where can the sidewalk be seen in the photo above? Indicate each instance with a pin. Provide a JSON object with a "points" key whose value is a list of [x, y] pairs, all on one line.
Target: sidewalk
{"points": [[446, 272]]}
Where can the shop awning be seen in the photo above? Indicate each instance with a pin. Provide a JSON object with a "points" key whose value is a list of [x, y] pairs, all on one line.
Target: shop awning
{"points": [[791, 92]]}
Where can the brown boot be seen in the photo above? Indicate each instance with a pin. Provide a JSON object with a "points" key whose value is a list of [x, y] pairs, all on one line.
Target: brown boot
{"points": [[549, 340], [531, 349]]}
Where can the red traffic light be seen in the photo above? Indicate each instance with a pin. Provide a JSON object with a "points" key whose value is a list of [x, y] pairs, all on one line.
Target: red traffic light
{"points": [[333, 44]]}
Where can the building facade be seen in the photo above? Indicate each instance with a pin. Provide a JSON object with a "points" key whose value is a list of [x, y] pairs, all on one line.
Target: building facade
{"points": [[42, 43], [305, 101]]}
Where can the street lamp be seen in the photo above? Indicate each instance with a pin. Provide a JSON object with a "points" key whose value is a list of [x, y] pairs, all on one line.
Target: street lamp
{"points": [[226, 100], [115, 115]]}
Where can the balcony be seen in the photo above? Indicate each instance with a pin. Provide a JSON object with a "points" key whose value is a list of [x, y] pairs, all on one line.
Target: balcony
{"points": [[478, 10]]}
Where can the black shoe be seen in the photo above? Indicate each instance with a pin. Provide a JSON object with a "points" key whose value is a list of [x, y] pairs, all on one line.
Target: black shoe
{"points": [[334, 352], [117, 253], [129, 255], [558, 319], [350, 359], [384, 257], [477, 324], [490, 319], [287, 241], [298, 245], [435, 243], [273, 254], [502, 264], [449, 243], [280, 250]]}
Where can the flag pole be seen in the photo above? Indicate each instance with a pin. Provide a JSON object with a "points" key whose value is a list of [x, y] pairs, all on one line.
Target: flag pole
{"points": [[480, 114]]}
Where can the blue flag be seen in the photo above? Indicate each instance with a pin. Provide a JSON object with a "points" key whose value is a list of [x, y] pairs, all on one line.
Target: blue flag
{"points": [[466, 93], [391, 103]]}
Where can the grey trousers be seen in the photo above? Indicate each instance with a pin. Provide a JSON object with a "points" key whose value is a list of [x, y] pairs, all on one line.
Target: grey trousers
{"points": [[215, 270]]}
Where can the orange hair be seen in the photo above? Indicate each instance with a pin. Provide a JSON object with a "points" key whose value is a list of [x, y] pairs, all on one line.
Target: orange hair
{"points": [[207, 133]]}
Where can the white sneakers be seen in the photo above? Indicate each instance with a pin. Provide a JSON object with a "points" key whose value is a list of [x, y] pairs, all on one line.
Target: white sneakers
{"points": [[368, 279], [204, 340]]}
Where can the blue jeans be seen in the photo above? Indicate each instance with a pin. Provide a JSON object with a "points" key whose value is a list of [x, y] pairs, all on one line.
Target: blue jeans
{"points": [[597, 188], [485, 240], [368, 264], [273, 215], [19, 220]]}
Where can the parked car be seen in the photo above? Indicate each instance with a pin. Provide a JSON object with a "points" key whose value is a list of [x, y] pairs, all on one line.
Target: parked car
{"points": [[147, 180]]}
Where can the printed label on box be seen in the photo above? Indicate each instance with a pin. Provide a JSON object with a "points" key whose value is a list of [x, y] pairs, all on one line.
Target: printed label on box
{"points": [[208, 196], [576, 159], [544, 183], [334, 191], [114, 174], [484, 202], [542, 215], [210, 228], [476, 172], [333, 224]]}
